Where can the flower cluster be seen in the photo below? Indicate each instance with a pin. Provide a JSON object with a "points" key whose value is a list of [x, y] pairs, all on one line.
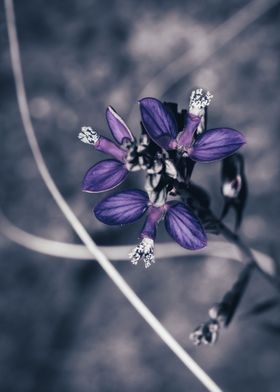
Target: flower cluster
{"points": [[170, 145]]}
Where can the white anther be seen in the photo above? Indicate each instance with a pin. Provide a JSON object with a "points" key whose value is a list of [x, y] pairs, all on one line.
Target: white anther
{"points": [[88, 136], [144, 251], [199, 99]]}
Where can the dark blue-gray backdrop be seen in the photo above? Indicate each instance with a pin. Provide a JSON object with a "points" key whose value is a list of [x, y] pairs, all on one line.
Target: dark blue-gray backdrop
{"points": [[63, 324]]}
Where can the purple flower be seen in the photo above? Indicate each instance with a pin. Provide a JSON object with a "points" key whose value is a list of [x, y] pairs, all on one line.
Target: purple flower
{"points": [[109, 173], [129, 206], [207, 146]]}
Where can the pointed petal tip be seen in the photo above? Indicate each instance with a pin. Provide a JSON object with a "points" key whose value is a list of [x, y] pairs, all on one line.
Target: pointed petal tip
{"points": [[203, 243], [85, 190], [117, 125]]}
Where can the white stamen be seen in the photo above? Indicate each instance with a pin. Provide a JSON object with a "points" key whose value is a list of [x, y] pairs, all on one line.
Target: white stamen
{"points": [[155, 180], [199, 99], [88, 136], [144, 251], [170, 169]]}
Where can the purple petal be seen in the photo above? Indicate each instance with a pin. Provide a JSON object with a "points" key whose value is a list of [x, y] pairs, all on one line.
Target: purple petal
{"points": [[184, 227], [104, 175], [108, 147], [123, 207], [191, 124], [150, 226], [118, 127], [216, 144], [158, 122]]}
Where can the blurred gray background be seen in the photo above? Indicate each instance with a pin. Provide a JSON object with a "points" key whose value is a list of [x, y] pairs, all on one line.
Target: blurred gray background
{"points": [[63, 324]]}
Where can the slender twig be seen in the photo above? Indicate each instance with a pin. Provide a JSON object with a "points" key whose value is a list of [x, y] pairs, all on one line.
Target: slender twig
{"points": [[142, 309], [217, 249]]}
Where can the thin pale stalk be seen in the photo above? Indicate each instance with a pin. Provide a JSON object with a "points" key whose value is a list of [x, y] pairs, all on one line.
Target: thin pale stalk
{"points": [[216, 249]]}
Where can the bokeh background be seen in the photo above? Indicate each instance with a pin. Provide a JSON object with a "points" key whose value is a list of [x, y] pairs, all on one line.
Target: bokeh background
{"points": [[63, 325]]}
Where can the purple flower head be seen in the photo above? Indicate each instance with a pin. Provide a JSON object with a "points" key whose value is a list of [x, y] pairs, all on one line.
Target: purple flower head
{"points": [[108, 173], [171, 143], [129, 206], [207, 146]]}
